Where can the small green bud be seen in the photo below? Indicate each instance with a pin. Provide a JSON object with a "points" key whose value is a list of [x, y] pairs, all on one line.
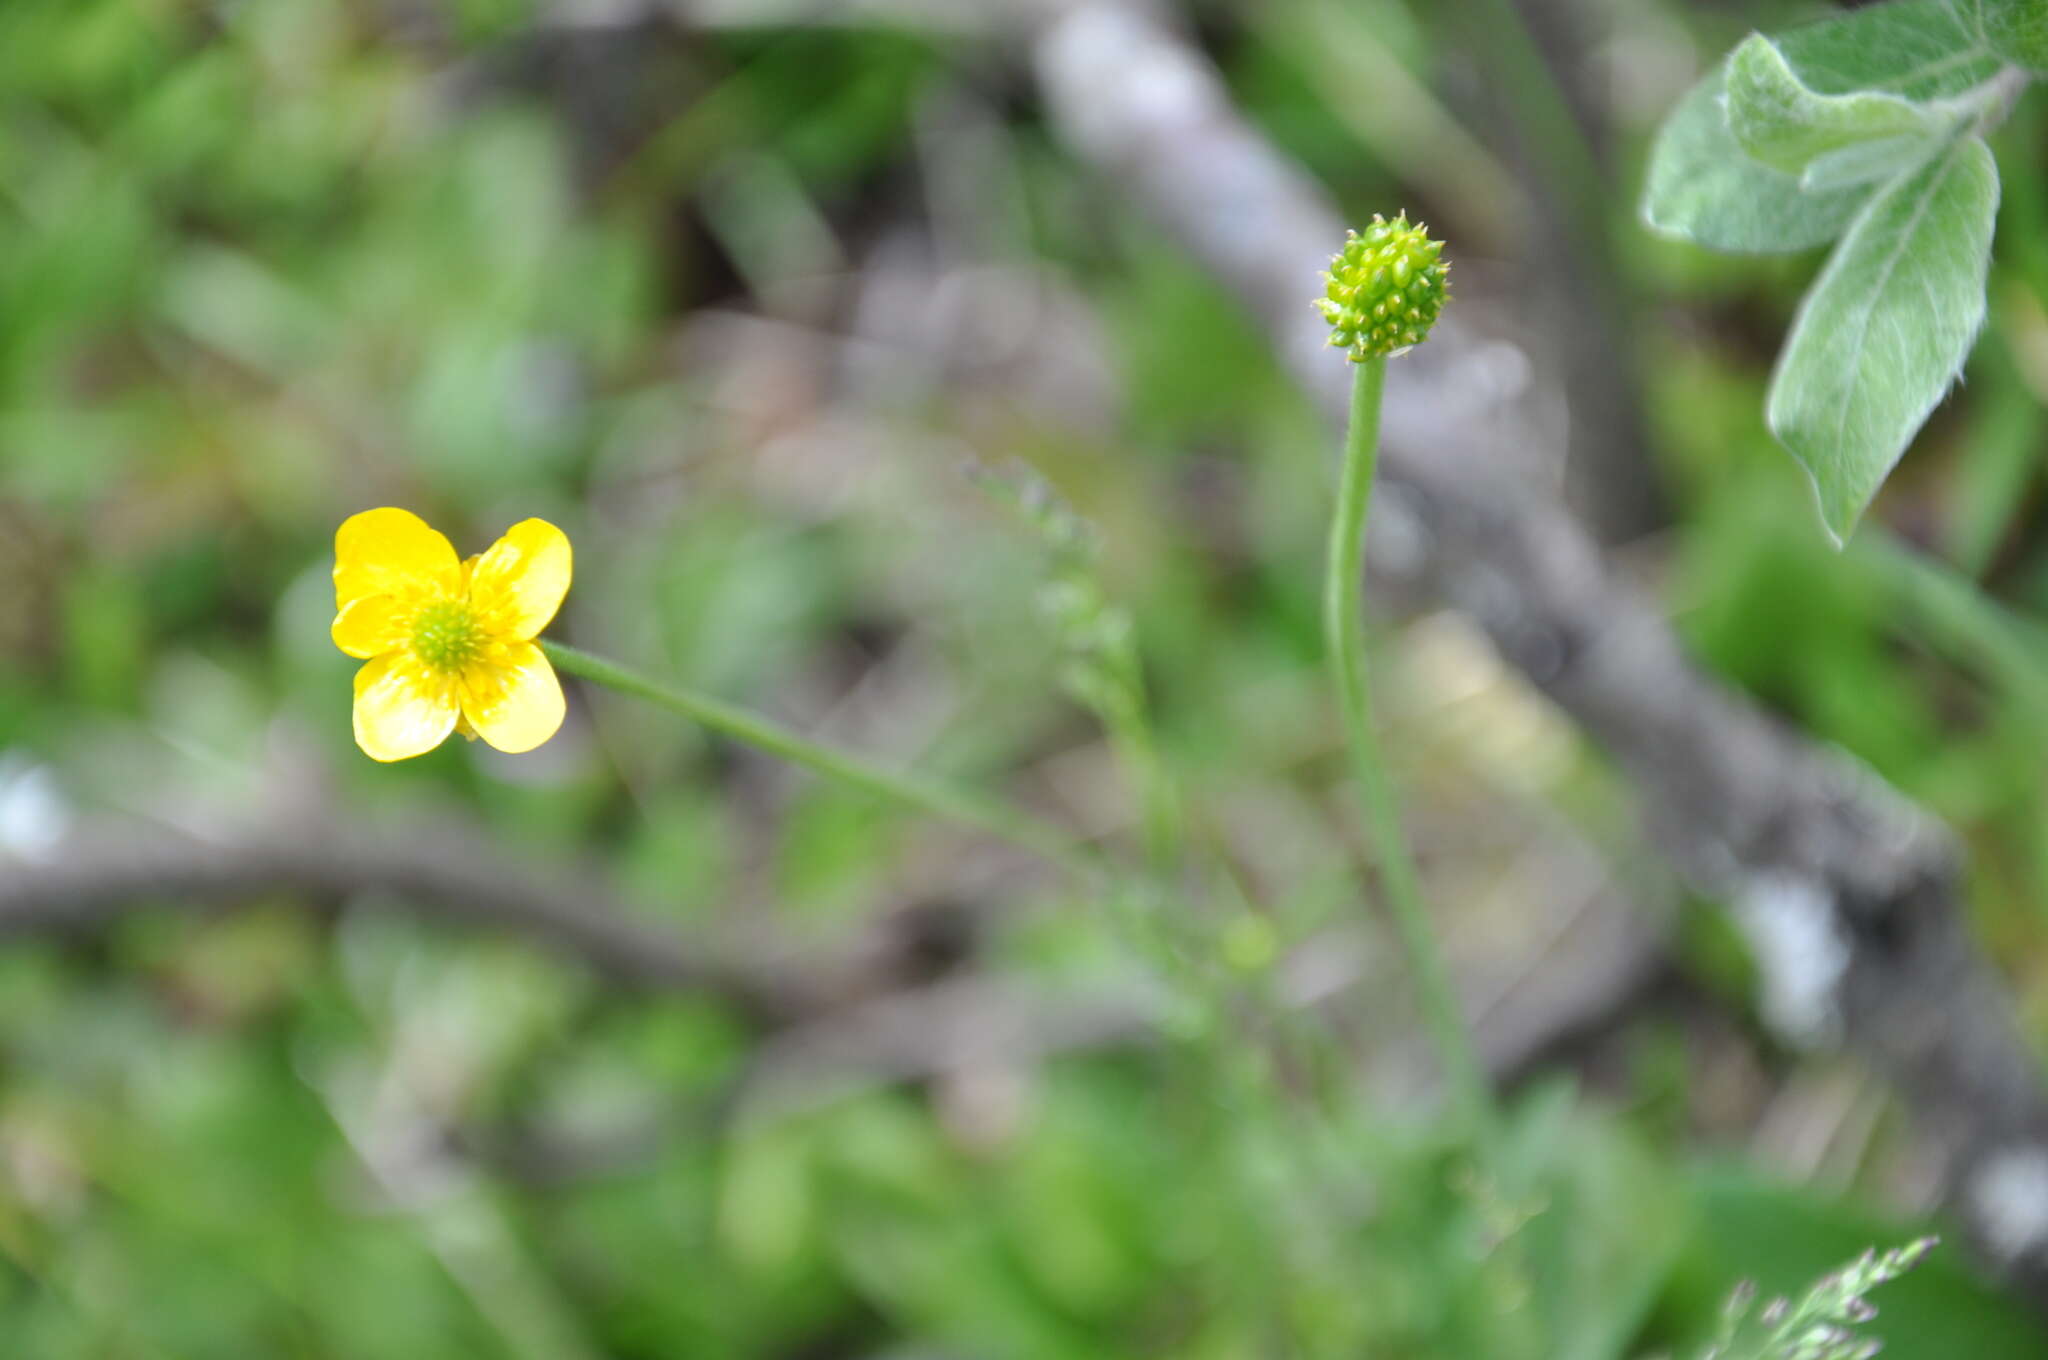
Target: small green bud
{"points": [[1384, 289]]}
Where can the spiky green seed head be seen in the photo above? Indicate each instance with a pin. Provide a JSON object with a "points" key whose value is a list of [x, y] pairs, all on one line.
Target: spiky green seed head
{"points": [[1385, 289]]}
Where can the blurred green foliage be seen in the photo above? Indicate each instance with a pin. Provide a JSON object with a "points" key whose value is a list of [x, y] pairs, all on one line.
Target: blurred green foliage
{"points": [[264, 264]]}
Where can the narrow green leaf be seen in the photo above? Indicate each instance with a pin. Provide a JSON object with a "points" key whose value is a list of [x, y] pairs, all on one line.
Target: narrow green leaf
{"points": [[1885, 328], [1704, 188], [1781, 122]]}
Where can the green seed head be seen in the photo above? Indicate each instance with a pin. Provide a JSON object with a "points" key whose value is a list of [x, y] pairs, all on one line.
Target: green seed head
{"points": [[445, 635], [1385, 289]]}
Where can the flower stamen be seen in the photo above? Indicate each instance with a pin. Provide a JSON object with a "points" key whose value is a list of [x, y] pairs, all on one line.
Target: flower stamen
{"points": [[445, 635]]}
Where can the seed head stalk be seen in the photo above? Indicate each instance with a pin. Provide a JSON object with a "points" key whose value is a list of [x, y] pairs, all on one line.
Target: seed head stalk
{"points": [[1344, 640], [1385, 290]]}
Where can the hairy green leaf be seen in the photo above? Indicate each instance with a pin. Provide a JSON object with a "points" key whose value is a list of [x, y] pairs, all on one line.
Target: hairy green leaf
{"points": [[1864, 162], [1916, 49], [2015, 29], [1704, 188], [1885, 328], [1786, 125]]}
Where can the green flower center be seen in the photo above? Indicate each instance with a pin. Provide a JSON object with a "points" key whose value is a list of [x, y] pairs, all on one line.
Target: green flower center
{"points": [[445, 635]]}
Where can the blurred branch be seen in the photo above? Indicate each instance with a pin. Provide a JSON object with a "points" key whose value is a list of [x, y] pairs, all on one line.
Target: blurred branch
{"points": [[102, 872], [873, 1015], [1849, 893], [960, 1035], [952, 1028]]}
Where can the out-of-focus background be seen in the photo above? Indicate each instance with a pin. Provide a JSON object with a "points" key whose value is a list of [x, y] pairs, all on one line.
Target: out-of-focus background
{"points": [[644, 1045]]}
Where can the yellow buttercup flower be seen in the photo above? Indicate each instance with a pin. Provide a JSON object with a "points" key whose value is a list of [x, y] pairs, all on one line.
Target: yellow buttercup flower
{"points": [[449, 644]]}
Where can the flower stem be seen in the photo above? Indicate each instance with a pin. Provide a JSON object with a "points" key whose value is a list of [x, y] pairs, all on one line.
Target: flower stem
{"points": [[926, 795], [1344, 639]]}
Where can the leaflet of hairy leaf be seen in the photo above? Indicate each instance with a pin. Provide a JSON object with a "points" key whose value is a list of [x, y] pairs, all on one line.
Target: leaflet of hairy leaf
{"points": [[1916, 49], [1866, 161], [1704, 188], [2015, 29], [1781, 122], [1885, 329]]}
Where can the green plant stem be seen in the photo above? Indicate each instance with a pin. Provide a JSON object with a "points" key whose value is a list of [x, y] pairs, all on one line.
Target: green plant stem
{"points": [[1344, 639], [925, 795]]}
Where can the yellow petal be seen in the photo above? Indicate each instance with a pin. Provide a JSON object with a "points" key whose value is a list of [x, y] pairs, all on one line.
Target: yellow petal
{"points": [[515, 702], [391, 552], [402, 708], [372, 625], [519, 581]]}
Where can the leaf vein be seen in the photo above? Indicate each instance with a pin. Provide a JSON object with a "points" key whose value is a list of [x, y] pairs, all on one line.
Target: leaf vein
{"points": [[1876, 292]]}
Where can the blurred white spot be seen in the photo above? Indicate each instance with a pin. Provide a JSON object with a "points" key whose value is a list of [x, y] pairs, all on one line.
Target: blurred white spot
{"points": [[984, 1105], [1398, 539], [1098, 47], [2010, 1194], [1645, 58], [33, 815], [1495, 372], [1799, 949]]}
